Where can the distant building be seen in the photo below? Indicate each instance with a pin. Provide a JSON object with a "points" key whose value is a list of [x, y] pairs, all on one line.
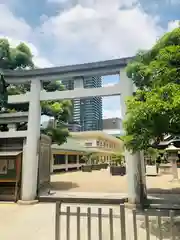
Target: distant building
{"points": [[112, 123], [87, 112], [69, 155], [74, 127], [50, 123], [113, 126]]}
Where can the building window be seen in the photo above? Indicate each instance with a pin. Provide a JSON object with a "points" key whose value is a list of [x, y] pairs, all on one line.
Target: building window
{"points": [[59, 159], [72, 159], [88, 144]]}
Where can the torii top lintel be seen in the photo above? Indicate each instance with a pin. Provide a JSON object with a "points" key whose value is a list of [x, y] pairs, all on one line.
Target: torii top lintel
{"points": [[108, 67]]}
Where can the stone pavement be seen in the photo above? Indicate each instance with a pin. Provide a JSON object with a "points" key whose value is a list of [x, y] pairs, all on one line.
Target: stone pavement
{"points": [[36, 222], [103, 182]]}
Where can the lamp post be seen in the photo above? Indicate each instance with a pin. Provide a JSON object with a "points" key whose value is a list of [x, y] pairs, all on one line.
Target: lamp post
{"points": [[172, 153]]}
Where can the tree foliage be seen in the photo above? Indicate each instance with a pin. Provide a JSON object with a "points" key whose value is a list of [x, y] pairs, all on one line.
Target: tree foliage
{"points": [[3, 92], [153, 153], [154, 110], [20, 57], [158, 66], [118, 159], [90, 158]]}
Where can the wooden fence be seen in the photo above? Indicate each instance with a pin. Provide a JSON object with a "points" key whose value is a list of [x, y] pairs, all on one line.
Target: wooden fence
{"points": [[123, 230]]}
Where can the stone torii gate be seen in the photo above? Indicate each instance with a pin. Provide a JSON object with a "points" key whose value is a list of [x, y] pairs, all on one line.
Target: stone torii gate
{"points": [[124, 88]]}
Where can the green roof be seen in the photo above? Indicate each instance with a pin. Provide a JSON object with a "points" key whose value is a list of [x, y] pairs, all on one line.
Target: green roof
{"points": [[71, 145]]}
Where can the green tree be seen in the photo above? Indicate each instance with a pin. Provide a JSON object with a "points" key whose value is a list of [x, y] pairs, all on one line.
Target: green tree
{"points": [[117, 159], [20, 57], [90, 158], [158, 66], [153, 153], [154, 110], [3, 92]]}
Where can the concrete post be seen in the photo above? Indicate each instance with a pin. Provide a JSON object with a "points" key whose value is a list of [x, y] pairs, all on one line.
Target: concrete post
{"points": [[126, 90], [135, 178], [174, 169], [66, 162], [77, 161], [30, 160], [134, 162], [52, 163]]}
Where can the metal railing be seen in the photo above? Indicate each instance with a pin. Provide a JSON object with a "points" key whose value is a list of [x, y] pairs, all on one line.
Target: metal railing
{"points": [[78, 224]]}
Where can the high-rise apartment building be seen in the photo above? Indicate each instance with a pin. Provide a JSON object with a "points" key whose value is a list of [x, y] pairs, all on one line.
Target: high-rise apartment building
{"points": [[88, 111]]}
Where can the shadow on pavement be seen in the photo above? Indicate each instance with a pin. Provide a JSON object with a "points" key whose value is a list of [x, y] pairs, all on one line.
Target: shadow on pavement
{"points": [[164, 191], [59, 185], [166, 230]]}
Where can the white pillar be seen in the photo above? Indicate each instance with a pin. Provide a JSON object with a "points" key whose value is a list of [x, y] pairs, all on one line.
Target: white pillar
{"points": [[134, 162], [52, 163], [174, 169], [126, 90], [77, 161], [135, 178], [66, 162], [30, 160]]}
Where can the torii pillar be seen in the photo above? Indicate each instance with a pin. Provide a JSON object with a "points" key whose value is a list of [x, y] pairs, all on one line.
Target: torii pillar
{"points": [[30, 158], [134, 162]]}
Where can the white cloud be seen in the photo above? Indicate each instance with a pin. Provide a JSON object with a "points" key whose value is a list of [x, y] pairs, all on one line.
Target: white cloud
{"points": [[111, 107], [57, 1], [111, 114], [100, 31], [174, 2], [42, 62], [173, 24], [11, 26], [17, 30], [100, 3], [109, 84]]}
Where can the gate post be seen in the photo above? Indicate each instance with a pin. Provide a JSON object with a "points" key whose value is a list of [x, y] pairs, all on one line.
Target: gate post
{"points": [[136, 180], [30, 160], [134, 162]]}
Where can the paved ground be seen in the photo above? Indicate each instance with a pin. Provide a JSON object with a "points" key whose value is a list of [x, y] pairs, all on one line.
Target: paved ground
{"points": [[102, 181], [37, 223]]}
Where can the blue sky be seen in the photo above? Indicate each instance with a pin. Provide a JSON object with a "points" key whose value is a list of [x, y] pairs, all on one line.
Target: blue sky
{"points": [[61, 32]]}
